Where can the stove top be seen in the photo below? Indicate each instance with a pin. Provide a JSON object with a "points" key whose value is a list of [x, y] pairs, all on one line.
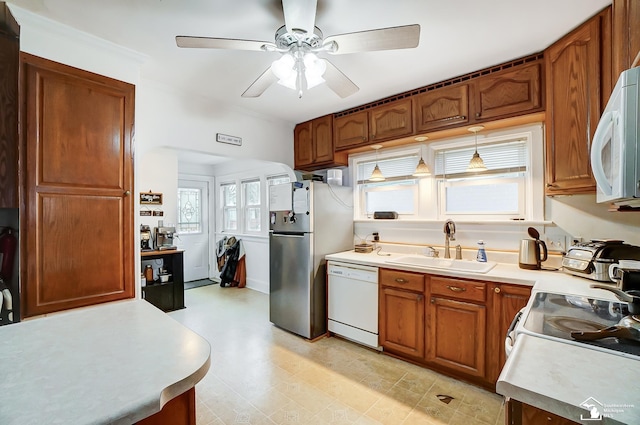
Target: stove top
{"points": [[555, 315]]}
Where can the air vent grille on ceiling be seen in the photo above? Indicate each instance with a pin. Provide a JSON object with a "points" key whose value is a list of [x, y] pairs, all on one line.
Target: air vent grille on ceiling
{"points": [[456, 80]]}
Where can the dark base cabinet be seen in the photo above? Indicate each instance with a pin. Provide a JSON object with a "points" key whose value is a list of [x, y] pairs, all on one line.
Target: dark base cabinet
{"points": [[167, 296]]}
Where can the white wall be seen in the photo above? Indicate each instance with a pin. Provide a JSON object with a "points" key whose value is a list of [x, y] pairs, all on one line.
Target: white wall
{"points": [[166, 120]]}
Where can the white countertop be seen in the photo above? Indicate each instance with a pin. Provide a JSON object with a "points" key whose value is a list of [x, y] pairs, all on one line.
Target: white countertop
{"points": [[115, 363], [551, 375]]}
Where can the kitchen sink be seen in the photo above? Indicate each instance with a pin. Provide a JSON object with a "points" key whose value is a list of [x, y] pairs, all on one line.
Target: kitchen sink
{"points": [[443, 263]]}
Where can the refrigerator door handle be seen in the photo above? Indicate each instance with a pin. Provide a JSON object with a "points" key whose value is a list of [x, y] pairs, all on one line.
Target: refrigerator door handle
{"points": [[288, 235]]}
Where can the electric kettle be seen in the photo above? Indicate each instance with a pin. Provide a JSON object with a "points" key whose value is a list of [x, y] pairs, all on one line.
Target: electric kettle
{"points": [[532, 251]]}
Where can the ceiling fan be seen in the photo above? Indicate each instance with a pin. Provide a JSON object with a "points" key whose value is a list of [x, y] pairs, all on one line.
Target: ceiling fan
{"points": [[299, 41]]}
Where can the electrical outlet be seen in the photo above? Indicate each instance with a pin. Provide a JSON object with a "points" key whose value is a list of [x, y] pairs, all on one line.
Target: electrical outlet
{"points": [[555, 243]]}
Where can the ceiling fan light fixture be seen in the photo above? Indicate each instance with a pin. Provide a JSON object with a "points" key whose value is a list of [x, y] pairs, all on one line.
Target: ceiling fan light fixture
{"points": [[314, 69], [283, 68]]}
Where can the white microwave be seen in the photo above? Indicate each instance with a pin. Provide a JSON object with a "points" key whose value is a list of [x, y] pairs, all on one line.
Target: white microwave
{"points": [[615, 151]]}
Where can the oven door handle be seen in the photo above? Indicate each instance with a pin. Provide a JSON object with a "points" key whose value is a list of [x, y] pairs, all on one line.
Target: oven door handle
{"points": [[510, 337]]}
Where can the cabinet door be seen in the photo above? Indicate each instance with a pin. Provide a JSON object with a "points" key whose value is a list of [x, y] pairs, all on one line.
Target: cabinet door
{"points": [[9, 60], [507, 93], [518, 413], [322, 137], [441, 108], [79, 178], [351, 130], [391, 121], [457, 335], [303, 145], [573, 109], [505, 301], [402, 321], [625, 35]]}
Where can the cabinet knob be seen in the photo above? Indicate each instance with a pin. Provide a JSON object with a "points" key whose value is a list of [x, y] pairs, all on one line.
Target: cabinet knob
{"points": [[401, 280], [477, 114], [373, 136], [127, 193], [496, 290]]}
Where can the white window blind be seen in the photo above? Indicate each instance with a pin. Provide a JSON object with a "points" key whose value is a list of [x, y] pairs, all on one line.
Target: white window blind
{"points": [[498, 158], [393, 169]]}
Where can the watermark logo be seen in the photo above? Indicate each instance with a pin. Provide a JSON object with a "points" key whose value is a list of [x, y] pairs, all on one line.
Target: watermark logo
{"points": [[595, 409], [598, 411]]}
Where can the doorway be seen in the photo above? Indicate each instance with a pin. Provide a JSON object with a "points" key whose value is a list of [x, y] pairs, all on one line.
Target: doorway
{"points": [[193, 226]]}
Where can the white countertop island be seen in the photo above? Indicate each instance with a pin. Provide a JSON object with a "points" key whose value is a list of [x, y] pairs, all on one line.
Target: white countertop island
{"points": [[115, 363]]}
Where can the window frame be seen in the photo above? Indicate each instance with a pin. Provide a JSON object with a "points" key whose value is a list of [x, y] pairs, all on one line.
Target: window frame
{"points": [[429, 193], [246, 206], [224, 207]]}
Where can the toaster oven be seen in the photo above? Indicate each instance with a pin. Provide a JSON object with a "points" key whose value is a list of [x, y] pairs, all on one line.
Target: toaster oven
{"points": [[592, 259]]}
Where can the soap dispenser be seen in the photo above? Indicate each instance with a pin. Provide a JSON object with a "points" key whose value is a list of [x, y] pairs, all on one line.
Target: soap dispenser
{"points": [[482, 255]]}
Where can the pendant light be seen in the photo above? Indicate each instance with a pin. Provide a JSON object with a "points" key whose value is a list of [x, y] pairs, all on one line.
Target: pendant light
{"points": [[376, 175], [421, 170], [476, 164]]}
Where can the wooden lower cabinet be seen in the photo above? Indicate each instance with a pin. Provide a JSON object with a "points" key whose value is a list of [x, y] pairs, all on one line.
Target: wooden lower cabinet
{"points": [[179, 411], [453, 325], [401, 313], [456, 335], [518, 413], [505, 302]]}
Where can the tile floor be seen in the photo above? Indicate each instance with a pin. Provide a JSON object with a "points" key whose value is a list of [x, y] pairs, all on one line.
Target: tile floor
{"points": [[262, 375]]}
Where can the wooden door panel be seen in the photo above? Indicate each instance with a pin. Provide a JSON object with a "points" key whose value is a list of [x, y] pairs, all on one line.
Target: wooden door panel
{"points": [[457, 336], [402, 327], [303, 148], [323, 138], [351, 130], [391, 120], [78, 180], [70, 228], [573, 109], [72, 149], [441, 108], [509, 92]]}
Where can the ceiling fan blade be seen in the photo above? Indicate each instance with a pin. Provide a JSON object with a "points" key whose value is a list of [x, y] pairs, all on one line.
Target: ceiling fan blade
{"points": [[300, 14], [404, 37], [262, 83], [222, 43], [338, 82]]}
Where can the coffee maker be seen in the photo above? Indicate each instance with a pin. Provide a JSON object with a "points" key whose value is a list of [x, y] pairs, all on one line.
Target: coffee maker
{"points": [[164, 237], [145, 238]]}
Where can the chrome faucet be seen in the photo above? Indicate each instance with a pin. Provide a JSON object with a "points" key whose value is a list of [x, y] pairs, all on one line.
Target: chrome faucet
{"points": [[449, 235]]}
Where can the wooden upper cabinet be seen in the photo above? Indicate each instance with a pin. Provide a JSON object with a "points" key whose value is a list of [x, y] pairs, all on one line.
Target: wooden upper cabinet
{"points": [[625, 35], [313, 145], [391, 120], [441, 108], [79, 179], [302, 144], [351, 130], [322, 136], [9, 62], [573, 108], [509, 92]]}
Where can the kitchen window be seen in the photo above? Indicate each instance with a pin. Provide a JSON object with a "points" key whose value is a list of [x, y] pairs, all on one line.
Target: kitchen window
{"points": [[229, 207], [398, 192], [498, 193], [511, 188], [252, 206]]}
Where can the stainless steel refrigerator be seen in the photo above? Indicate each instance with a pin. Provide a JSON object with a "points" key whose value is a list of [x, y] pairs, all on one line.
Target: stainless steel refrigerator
{"points": [[307, 220]]}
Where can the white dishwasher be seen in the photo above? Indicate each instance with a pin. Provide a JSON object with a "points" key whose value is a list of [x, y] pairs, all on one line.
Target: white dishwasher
{"points": [[353, 302]]}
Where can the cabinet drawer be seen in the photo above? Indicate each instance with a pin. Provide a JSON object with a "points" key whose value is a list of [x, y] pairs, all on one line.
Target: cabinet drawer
{"points": [[402, 280], [456, 288]]}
